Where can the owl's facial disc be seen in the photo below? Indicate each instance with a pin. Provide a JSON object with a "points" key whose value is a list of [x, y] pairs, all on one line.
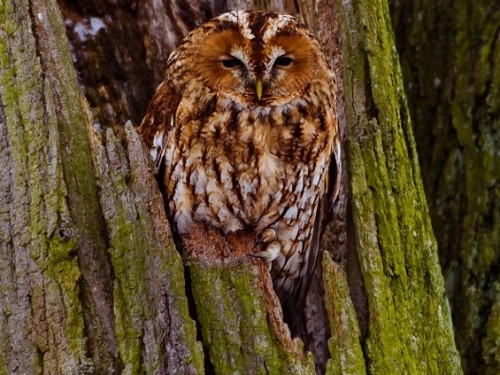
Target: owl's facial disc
{"points": [[263, 80], [256, 64], [249, 83]]}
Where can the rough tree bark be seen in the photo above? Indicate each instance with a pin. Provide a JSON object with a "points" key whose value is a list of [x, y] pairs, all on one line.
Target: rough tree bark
{"points": [[90, 281], [450, 54]]}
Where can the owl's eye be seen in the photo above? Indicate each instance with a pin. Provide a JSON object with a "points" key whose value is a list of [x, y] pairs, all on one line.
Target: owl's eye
{"points": [[283, 61], [231, 63]]}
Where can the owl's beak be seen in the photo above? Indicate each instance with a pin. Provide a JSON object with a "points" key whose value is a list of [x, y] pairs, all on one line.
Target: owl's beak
{"points": [[258, 88]]}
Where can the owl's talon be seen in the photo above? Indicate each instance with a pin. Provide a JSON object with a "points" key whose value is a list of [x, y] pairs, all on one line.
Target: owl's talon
{"points": [[267, 237], [271, 252]]}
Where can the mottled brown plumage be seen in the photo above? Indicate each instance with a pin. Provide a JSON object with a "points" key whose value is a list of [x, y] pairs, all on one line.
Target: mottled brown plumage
{"points": [[245, 134]]}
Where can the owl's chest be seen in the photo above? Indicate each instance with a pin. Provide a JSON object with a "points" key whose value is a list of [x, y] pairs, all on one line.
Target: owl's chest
{"points": [[261, 137], [238, 171], [247, 153]]}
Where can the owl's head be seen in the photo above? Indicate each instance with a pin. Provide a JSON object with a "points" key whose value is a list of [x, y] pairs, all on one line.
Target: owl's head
{"points": [[254, 58]]}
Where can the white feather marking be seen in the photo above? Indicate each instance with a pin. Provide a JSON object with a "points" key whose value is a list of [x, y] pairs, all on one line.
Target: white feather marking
{"points": [[154, 153], [338, 160], [307, 198], [246, 185], [195, 154], [211, 186], [275, 52], [198, 179], [299, 248], [239, 54], [225, 174], [194, 177], [293, 232], [178, 173], [214, 199], [245, 26], [274, 25], [316, 178], [233, 225], [246, 132], [223, 214], [228, 221], [183, 220], [180, 194], [202, 212], [304, 218], [291, 213], [338, 153], [277, 196], [169, 154], [201, 183], [230, 16], [300, 184], [158, 139], [183, 214], [268, 164], [241, 18], [265, 200]]}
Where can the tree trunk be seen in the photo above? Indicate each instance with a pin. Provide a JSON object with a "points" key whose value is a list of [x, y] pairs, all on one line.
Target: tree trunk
{"points": [[91, 281], [450, 53]]}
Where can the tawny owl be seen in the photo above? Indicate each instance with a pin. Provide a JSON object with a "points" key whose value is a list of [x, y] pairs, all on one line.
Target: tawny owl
{"points": [[244, 133]]}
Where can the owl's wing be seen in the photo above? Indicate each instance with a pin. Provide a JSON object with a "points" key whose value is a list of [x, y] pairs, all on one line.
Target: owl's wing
{"points": [[324, 211], [293, 300], [159, 120]]}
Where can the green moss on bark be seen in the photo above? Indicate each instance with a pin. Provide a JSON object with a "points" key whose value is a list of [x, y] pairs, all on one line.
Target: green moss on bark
{"points": [[453, 84], [45, 255], [150, 306], [345, 343], [409, 327], [235, 322]]}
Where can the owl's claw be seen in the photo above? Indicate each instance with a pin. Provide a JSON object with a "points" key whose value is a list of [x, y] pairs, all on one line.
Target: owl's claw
{"points": [[269, 254], [272, 248], [267, 237]]}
